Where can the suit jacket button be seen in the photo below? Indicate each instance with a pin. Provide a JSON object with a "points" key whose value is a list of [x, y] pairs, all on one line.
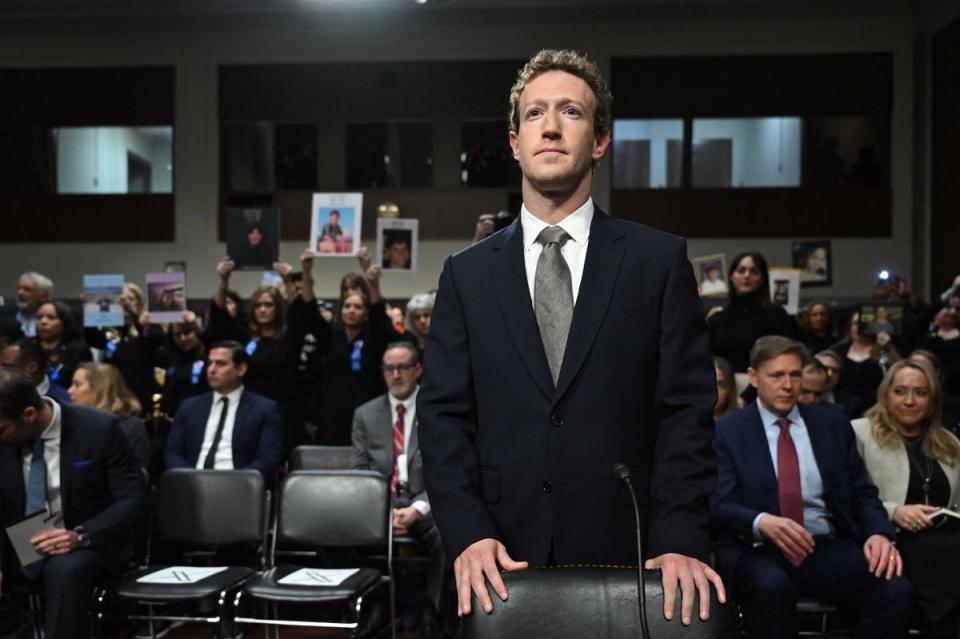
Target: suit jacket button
{"points": [[556, 419], [547, 487]]}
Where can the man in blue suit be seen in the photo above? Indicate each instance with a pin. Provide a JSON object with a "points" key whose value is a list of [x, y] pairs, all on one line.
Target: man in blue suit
{"points": [[75, 463], [796, 512], [559, 346], [229, 427]]}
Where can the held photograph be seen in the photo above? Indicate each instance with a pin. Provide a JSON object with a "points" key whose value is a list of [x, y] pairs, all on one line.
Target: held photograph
{"points": [[397, 241], [815, 261], [335, 223], [785, 288], [101, 307], [253, 237], [711, 272], [166, 296]]}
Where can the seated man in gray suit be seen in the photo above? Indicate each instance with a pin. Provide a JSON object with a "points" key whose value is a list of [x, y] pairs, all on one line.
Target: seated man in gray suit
{"points": [[385, 440]]}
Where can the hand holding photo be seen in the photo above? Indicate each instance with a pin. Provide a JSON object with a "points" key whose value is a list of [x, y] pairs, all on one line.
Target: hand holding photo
{"points": [[335, 223]]}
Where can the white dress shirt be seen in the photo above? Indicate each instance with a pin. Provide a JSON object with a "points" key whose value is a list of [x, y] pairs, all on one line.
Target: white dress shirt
{"points": [[577, 226], [409, 420], [51, 455], [223, 458]]}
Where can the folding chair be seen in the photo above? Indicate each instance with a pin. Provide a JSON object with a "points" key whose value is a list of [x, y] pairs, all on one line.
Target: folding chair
{"points": [[326, 510], [321, 458], [196, 509]]}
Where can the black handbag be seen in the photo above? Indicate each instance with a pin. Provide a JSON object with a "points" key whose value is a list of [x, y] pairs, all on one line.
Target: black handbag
{"points": [[589, 602]]}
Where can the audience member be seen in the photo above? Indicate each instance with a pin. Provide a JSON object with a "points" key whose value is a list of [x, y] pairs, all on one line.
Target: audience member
{"points": [[815, 327], [813, 383], [33, 289], [915, 463], [101, 386], [726, 388], [749, 314], [186, 358], [861, 369], [833, 366], [28, 356], [944, 342], [73, 461], [951, 405], [230, 427], [417, 321], [272, 340], [353, 346], [59, 336], [796, 511], [384, 438], [135, 347]]}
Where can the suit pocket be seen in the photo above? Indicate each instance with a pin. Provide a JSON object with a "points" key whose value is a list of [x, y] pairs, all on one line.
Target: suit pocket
{"points": [[640, 480], [83, 465], [490, 485]]}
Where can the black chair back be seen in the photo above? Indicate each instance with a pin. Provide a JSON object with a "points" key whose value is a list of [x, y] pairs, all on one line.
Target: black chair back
{"points": [[210, 507], [321, 458], [578, 602], [330, 508]]}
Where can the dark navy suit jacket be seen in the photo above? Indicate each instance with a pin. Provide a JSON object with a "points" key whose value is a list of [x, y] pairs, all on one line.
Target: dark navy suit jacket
{"points": [[102, 487], [747, 484], [257, 433], [508, 456]]}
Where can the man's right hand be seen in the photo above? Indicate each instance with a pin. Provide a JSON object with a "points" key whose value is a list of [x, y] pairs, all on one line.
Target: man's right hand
{"points": [[482, 559], [789, 536]]}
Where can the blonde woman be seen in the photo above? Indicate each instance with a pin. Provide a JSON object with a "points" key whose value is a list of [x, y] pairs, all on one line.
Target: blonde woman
{"points": [[102, 386], [915, 463]]}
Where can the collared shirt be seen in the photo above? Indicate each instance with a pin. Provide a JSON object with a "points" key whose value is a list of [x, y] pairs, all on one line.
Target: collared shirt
{"points": [[28, 324], [409, 420], [51, 455], [577, 226], [223, 458], [44, 386], [816, 517]]}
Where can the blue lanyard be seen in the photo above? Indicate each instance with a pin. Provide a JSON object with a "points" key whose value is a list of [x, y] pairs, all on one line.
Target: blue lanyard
{"points": [[355, 364], [55, 373], [251, 347], [195, 371]]}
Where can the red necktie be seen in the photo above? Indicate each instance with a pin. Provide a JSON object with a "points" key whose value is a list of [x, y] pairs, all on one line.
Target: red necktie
{"points": [[397, 448], [788, 467]]}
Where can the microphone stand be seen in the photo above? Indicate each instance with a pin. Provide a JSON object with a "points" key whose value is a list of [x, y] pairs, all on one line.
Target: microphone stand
{"points": [[621, 472]]}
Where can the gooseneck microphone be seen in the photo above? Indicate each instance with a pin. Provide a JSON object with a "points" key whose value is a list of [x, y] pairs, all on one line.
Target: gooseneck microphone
{"points": [[621, 472]]}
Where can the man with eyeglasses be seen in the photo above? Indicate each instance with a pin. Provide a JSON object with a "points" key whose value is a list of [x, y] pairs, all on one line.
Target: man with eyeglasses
{"points": [[385, 439]]}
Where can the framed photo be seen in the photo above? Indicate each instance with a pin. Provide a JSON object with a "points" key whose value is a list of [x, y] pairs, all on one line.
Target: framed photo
{"points": [[397, 244], [711, 271], [815, 261], [253, 238], [880, 318], [785, 288], [166, 297], [335, 223], [101, 307]]}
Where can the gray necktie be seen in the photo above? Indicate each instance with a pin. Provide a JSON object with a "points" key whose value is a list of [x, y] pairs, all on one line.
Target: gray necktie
{"points": [[553, 297]]}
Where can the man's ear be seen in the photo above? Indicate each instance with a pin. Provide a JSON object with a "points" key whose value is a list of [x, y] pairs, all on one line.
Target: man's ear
{"points": [[242, 370], [600, 145], [752, 374], [515, 145]]}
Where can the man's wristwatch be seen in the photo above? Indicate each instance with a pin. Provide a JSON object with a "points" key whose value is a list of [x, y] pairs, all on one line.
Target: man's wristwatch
{"points": [[83, 540]]}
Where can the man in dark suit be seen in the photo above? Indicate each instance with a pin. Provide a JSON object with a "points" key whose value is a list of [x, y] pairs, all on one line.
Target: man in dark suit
{"points": [[74, 462], [796, 512], [559, 346], [385, 439], [29, 356], [851, 404], [229, 427]]}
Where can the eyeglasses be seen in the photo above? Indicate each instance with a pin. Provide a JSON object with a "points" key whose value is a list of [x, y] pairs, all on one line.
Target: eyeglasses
{"points": [[399, 368]]}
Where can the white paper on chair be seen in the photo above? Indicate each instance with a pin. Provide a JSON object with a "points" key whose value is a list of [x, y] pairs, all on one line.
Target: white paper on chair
{"points": [[180, 575], [318, 576], [944, 511]]}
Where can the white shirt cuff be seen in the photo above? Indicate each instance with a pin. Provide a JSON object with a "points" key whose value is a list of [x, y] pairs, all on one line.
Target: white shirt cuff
{"points": [[423, 507], [756, 528]]}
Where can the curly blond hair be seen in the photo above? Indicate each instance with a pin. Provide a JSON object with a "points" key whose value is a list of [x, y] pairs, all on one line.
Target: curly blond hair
{"points": [[937, 443], [570, 62]]}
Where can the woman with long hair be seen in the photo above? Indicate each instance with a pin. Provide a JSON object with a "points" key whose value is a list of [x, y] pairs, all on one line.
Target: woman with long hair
{"points": [[915, 463], [59, 336], [863, 357], [726, 388], [102, 386], [749, 314], [816, 330]]}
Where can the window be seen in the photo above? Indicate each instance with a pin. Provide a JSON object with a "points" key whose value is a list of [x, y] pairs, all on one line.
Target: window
{"points": [[647, 153], [114, 159], [746, 152], [485, 155], [387, 155]]}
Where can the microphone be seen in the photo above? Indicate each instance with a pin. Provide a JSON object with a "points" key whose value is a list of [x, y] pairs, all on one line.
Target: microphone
{"points": [[622, 473]]}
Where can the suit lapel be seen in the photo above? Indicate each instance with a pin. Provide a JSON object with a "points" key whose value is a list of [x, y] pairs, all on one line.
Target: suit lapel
{"points": [[513, 296], [823, 449], [68, 455], [759, 449], [604, 253], [240, 423]]}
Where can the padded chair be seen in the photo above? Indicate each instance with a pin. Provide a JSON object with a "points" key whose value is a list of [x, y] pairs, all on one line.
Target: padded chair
{"points": [[321, 458], [320, 510], [197, 509], [588, 601]]}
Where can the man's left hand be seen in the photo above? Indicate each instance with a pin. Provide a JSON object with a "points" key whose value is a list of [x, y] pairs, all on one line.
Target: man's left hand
{"points": [[882, 557], [694, 576], [56, 542], [403, 519]]}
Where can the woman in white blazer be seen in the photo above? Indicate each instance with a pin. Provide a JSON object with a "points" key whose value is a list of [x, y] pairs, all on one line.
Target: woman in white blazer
{"points": [[915, 463]]}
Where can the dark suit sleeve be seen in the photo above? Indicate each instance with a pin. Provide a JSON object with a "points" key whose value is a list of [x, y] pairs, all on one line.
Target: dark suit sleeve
{"points": [[684, 465], [128, 491], [136, 433], [175, 453], [868, 510], [726, 504], [360, 459], [448, 422], [269, 454]]}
